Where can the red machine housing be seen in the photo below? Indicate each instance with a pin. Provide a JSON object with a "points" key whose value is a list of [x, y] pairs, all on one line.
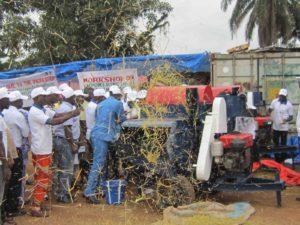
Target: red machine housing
{"points": [[225, 89], [261, 120], [227, 139], [176, 95]]}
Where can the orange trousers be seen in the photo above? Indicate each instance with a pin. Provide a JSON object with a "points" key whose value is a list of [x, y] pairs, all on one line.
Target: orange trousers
{"points": [[42, 177]]}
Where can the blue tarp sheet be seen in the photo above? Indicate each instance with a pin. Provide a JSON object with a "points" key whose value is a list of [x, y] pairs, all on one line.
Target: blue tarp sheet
{"points": [[144, 64]]}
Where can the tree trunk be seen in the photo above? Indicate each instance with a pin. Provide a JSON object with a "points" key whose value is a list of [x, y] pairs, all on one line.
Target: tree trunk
{"points": [[273, 27]]}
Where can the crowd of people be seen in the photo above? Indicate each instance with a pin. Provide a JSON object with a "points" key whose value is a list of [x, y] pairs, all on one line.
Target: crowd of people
{"points": [[60, 128], [66, 129]]}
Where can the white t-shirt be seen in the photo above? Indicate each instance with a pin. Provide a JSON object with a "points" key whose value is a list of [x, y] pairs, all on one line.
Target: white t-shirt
{"points": [[76, 127], [3, 129], [125, 105], [74, 122], [90, 115], [51, 109], [281, 112], [17, 124], [41, 143]]}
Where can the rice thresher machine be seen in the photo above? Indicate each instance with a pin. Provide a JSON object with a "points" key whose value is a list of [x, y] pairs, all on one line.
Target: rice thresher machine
{"points": [[187, 142]]}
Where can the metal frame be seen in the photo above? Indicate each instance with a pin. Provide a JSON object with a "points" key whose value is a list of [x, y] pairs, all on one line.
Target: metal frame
{"points": [[279, 149], [245, 182]]}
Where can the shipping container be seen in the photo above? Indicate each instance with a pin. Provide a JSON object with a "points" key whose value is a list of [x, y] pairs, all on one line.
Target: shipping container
{"points": [[259, 71], [266, 72]]}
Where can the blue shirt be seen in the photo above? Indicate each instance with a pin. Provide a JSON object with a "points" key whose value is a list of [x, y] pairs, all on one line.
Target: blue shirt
{"points": [[110, 113]]}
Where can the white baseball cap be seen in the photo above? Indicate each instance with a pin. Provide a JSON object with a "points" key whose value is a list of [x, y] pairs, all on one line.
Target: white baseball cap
{"points": [[283, 92], [132, 96], [99, 92], [127, 89], [16, 95], [38, 91], [54, 90], [4, 93], [63, 87], [67, 93], [107, 94], [115, 90], [80, 93], [142, 94]]}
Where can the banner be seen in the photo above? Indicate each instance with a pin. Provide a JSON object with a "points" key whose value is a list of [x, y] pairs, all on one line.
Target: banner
{"points": [[106, 78], [27, 83]]}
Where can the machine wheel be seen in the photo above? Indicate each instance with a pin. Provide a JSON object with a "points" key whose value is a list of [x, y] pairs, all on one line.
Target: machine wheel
{"points": [[174, 192]]}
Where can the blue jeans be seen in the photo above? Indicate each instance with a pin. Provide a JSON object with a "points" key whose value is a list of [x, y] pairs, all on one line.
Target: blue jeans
{"points": [[63, 158], [99, 167]]}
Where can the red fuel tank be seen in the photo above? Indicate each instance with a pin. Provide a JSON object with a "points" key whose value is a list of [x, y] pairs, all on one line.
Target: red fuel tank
{"points": [[261, 120], [228, 138]]}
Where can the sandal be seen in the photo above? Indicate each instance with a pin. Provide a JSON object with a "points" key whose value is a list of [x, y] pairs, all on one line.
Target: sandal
{"points": [[9, 221], [37, 212], [20, 212], [46, 207]]}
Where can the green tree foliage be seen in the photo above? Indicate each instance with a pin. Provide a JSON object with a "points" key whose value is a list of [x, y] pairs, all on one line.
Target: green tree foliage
{"points": [[39, 32], [295, 10], [275, 19]]}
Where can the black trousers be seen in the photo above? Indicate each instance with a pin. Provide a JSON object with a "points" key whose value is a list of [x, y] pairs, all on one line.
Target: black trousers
{"points": [[14, 186], [280, 138], [85, 163]]}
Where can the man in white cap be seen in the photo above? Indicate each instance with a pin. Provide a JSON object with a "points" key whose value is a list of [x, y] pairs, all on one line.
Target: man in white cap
{"points": [[40, 121], [90, 112], [89, 91], [110, 114], [133, 112], [52, 103], [140, 101], [124, 99], [66, 136], [79, 102], [19, 128], [25, 147], [5, 161], [282, 114]]}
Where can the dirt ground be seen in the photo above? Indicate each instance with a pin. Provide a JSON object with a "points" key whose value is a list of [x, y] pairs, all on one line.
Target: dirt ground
{"points": [[81, 213], [131, 213]]}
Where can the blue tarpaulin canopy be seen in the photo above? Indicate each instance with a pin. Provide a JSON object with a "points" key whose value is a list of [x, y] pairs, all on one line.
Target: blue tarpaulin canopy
{"points": [[144, 64]]}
